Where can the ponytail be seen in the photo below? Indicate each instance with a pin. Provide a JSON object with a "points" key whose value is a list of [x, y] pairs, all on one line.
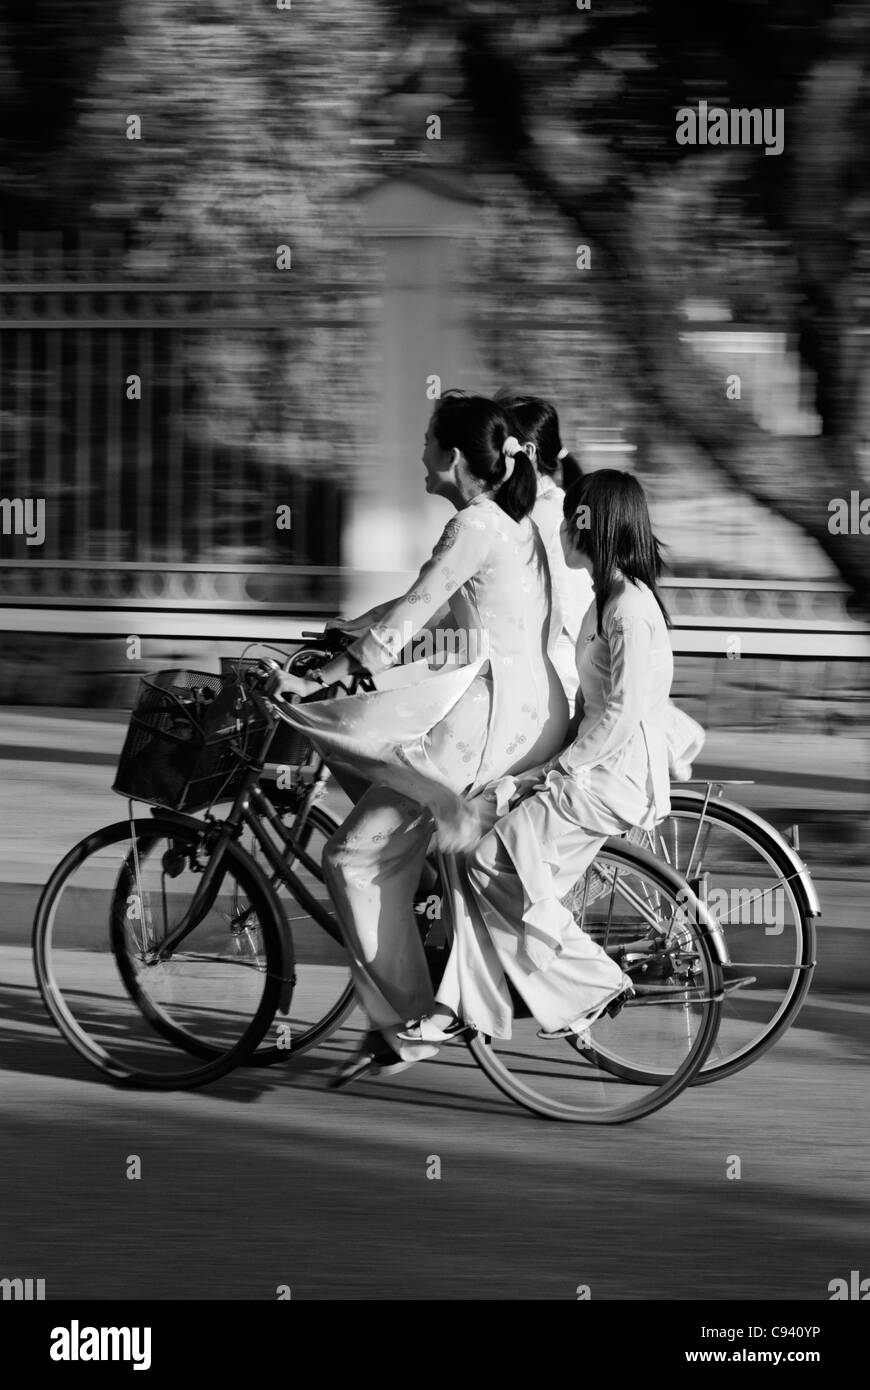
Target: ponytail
{"points": [[536, 421], [517, 494], [572, 470]]}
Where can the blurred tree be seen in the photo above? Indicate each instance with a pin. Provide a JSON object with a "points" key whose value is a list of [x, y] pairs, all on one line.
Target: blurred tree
{"points": [[248, 115], [50, 51], [573, 113], [565, 117]]}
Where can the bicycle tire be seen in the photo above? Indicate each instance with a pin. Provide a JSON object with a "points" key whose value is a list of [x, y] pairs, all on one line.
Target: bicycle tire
{"points": [[733, 816], [709, 949], [277, 969]]}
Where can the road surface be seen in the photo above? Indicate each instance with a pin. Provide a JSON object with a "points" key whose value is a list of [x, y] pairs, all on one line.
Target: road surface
{"points": [[268, 1180]]}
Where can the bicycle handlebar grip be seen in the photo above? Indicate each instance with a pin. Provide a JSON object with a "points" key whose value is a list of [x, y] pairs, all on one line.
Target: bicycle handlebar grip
{"points": [[331, 639]]}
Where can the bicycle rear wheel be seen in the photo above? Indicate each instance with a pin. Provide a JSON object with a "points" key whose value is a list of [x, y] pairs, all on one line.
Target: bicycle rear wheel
{"points": [[771, 940], [99, 924], [649, 921]]}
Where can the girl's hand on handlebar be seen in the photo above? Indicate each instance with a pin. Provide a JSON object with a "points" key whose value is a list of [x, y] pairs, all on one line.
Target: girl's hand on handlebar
{"points": [[283, 684], [338, 634], [338, 671]]}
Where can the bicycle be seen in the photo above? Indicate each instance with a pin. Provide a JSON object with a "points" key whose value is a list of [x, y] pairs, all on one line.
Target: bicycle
{"points": [[164, 936], [726, 852]]}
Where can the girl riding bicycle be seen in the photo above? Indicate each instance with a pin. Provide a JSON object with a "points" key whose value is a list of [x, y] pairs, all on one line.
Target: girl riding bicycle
{"points": [[421, 745], [509, 919]]}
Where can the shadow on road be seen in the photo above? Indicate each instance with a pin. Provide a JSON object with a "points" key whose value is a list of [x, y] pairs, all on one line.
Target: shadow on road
{"points": [[30, 1045]]}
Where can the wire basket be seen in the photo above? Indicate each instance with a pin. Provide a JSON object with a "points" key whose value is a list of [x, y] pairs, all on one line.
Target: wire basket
{"points": [[289, 747], [189, 739]]}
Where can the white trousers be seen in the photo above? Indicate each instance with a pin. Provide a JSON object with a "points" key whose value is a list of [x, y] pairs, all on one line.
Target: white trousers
{"points": [[509, 919], [372, 866]]}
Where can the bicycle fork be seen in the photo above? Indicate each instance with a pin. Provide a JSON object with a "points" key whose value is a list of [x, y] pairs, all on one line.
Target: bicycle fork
{"points": [[203, 899]]}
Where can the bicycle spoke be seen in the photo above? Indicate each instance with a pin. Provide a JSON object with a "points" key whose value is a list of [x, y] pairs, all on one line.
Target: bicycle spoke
{"points": [[755, 898]]}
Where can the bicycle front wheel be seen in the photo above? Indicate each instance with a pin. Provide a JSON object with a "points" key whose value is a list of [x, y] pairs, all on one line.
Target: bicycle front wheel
{"points": [[143, 1020], [627, 1066]]}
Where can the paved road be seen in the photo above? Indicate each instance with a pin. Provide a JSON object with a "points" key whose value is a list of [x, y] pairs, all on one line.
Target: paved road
{"points": [[268, 1179]]}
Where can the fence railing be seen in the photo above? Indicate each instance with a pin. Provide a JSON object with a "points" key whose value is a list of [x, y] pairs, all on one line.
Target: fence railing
{"points": [[729, 619], [136, 480]]}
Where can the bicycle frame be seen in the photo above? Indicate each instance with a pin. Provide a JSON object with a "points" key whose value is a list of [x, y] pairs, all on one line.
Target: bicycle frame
{"points": [[252, 810], [260, 809]]}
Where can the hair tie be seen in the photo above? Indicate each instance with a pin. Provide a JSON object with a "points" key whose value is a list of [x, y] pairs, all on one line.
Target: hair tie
{"points": [[563, 453], [510, 447]]}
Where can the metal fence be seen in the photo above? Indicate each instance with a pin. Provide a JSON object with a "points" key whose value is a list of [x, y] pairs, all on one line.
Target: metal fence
{"points": [[135, 480]]}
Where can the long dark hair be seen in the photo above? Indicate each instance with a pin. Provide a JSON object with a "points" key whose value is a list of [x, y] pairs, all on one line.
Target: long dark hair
{"points": [[478, 427], [537, 421], [619, 535]]}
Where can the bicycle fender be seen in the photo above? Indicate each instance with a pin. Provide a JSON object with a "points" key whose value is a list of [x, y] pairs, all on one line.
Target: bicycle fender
{"points": [[801, 876]]}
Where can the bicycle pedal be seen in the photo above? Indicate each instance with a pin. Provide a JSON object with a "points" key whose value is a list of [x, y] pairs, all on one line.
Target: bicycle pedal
{"points": [[617, 1005]]}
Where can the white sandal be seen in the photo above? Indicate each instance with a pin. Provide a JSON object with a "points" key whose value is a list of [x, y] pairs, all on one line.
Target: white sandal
{"points": [[423, 1030]]}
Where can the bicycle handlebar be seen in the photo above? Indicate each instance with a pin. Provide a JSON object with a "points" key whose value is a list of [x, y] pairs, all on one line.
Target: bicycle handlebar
{"points": [[265, 681], [261, 675], [331, 640]]}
